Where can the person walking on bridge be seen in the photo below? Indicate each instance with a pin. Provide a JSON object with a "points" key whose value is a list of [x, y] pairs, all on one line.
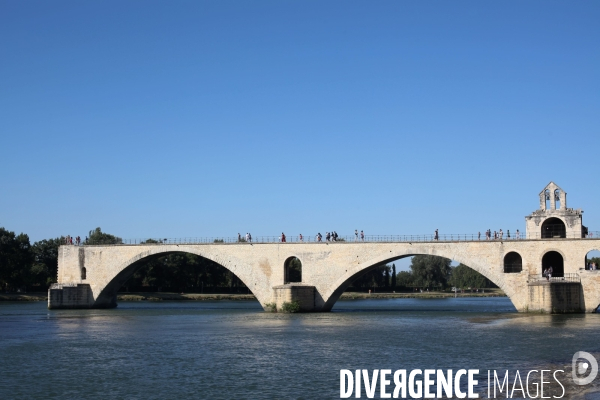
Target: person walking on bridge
{"points": [[362, 235], [436, 235], [356, 235]]}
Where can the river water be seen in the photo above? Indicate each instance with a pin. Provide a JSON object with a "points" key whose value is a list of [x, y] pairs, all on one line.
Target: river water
{"points": [[232, 349]]}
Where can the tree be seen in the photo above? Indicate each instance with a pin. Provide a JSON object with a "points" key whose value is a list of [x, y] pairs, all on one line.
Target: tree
{"points": [[393, 276], [386, 277], [98, 237], [15, 259], [430, 271], [373, 278], [465, 277], [404, 279], [45, 261]]}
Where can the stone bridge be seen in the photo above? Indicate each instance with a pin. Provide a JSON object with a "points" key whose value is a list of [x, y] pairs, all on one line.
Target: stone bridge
{"points": [[90, 276]]}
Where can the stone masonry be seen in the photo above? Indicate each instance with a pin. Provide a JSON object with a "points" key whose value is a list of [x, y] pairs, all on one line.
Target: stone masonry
{"points": [[329, 267], [90, 276]]}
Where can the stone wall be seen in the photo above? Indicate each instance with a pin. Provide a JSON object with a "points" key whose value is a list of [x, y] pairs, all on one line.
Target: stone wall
{"points": [[304, 295], [555, 297], [70, 296], [328, 267]]}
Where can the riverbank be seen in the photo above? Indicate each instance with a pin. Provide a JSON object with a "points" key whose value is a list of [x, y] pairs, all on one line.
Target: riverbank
{"points": [[34, 296], [166, 296], [419, 295]]}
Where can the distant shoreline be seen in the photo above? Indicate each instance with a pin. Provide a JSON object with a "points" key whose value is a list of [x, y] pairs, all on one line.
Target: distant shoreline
{"points": [[167, 296]]}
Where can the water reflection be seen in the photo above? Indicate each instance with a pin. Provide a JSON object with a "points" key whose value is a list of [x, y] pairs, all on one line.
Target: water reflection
{"points": [[234, 349]]}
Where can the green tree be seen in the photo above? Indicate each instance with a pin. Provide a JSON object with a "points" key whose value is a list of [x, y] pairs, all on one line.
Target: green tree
{"points": [[15, 259], [430, 271], [404, 279], [464, 277], [45, 261], [98, 237], [372, 279], [183, 272], [386, 278], [393, 276]]}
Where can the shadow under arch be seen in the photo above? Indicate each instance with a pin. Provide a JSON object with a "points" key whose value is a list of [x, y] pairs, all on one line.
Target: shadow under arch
{"points": [[108, 295], [343, 283]]}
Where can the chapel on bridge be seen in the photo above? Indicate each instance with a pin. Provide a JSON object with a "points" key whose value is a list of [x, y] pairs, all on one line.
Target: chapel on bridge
{"points": [[554, 219]]}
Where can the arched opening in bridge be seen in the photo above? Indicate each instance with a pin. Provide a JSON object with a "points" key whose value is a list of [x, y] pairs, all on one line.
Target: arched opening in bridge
{"points": [[592, 260], [553, 228], [292, 270], [513, 263], [414, 273], [420, 273], [555, 260], [177, 273], [83, 273]]}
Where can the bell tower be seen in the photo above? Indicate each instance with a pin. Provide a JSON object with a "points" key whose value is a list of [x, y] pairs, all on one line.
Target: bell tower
{"points": [[554, 220]]}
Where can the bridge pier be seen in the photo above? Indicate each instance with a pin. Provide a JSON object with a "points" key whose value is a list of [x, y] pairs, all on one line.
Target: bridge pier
{"points": [[299, 293], [70, 296], [556, 297]]}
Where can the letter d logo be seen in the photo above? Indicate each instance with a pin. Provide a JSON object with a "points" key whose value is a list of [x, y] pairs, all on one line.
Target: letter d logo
{"points": [[581, 368]]}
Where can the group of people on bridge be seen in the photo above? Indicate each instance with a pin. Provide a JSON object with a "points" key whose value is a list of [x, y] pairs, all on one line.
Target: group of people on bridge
{"points": [[76, 241], [498, 235], [329, 237], [247, 238]]}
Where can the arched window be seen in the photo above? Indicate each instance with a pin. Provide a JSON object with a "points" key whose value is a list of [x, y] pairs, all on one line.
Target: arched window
{"points": [[592, 260], [555, 260], [83, 273], [292, 270], [513, 263], [547, 197], [553, 228]]}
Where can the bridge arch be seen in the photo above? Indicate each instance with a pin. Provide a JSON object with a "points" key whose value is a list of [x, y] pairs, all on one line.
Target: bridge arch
{"points": [[107, 297], [331, 296]]}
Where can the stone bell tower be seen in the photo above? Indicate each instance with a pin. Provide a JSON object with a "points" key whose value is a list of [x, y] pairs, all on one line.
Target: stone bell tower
{"points": [[553, 219]]}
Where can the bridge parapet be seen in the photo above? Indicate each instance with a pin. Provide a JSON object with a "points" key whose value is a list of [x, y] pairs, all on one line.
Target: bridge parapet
{"points": [[427, 238]]}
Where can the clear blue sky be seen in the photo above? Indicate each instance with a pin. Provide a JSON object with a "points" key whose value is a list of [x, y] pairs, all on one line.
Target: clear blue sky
{"points": [[209, 118]]}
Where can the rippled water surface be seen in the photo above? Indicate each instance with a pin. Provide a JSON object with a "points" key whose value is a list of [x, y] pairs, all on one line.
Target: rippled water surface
{"points": [[232, 349]]}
